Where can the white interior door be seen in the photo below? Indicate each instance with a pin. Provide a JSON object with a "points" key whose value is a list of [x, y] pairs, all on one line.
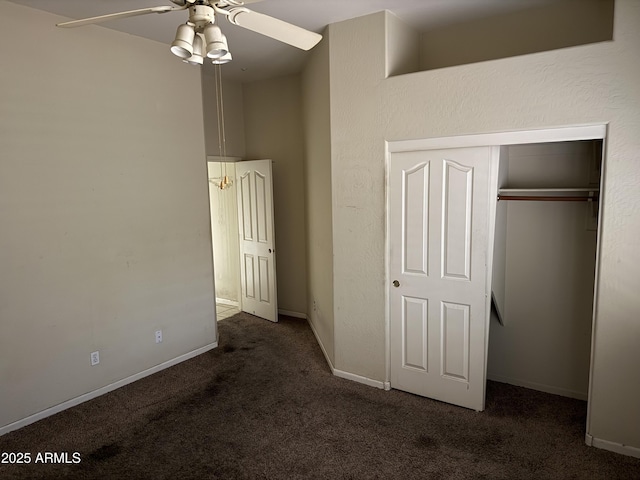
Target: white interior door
{"points": [[439, 232], [257, 243]]}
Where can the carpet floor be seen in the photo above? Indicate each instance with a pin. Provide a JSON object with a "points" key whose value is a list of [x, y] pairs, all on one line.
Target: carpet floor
{"points": [[264, 405]]}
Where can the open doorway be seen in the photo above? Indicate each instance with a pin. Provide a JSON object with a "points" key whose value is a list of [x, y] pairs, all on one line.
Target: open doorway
{"points": [[224, 236], [243, 237]]}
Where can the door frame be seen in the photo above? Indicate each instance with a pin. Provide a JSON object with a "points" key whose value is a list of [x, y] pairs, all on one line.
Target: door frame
{"points": [[499, 139]]}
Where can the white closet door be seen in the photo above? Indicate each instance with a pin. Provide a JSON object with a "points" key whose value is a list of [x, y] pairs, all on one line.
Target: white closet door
{"points": [[439, 222], [257, 242]]}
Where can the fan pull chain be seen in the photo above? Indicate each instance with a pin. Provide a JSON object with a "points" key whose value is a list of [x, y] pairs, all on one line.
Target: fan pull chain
{"points": [[222, 140]]}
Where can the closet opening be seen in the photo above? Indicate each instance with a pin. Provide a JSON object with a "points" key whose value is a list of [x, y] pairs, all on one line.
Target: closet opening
{"points": [[544, 266], [534, 318]]}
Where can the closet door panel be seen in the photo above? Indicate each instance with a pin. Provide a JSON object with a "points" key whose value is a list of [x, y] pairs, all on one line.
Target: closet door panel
{"points": [[455, 341], [415, 333], [438, 233], [456, 220], [415, 231]]}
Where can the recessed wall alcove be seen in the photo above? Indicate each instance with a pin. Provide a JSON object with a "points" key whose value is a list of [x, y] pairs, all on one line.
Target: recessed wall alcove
{"points": [[550, 26]]}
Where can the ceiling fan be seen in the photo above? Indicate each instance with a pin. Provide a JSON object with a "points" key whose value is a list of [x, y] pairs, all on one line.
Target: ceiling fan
{"points": [[201, 37]]}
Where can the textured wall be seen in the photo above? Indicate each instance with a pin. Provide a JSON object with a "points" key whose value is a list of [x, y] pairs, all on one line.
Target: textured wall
{"points": [[233, 116], [402, 48], [273, 130], [317, 171], [587, 84], [103, 211], [565, 23], [357, 69], [264, 120]]}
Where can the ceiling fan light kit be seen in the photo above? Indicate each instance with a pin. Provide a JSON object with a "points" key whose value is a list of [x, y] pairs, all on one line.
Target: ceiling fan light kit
{"points": [[182, 46], [196, 57], [218, 49], [189, 44], [216, 42], [222, 60]]}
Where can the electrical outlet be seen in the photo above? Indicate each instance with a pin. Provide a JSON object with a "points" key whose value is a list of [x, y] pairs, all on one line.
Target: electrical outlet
{"points": [[95, 358], [158, 336]]}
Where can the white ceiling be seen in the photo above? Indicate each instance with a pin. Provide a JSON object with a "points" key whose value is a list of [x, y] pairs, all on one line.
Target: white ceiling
{"points": [[257, 57]]}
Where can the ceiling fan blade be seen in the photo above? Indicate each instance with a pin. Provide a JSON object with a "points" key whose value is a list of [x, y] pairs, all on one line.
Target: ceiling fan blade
{"points": [[274, 28], [115, 16]]}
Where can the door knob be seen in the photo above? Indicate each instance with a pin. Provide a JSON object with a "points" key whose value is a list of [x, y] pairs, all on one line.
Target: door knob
{"points": [[396, 283]]}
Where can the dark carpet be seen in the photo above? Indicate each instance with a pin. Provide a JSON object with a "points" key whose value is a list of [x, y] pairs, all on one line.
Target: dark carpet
{"points": [[264, 405]]}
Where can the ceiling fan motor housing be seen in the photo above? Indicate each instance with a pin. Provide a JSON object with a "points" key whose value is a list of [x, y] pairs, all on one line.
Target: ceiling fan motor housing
{"points": [[201, 16]]}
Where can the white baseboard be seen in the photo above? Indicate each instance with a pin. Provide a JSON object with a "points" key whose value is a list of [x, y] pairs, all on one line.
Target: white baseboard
{"points": [[324, 352], [612, 446], [289, 313], [538, 386], [349, 376], [101, 391], [360, 379]]}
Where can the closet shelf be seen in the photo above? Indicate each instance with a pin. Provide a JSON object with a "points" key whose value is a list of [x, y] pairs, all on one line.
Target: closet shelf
{"points": [[587, 194]]}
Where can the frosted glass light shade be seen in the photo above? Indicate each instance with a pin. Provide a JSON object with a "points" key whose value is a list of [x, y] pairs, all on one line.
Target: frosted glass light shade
{"points": [[198, 47], [182, 46], [216, 42], [222, 60]]}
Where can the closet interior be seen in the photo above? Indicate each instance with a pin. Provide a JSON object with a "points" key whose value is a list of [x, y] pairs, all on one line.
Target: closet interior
{"points": [[544, 266]]}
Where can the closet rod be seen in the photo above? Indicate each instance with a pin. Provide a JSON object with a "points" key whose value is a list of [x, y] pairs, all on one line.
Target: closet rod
{"points": [[547, 199]]}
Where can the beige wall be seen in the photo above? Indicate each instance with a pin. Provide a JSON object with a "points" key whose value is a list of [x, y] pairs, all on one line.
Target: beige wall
{"points": [[273, 130], [589, 84], [103, 211], [318, 202], [232, 105], [264, 120], [560, 24], [402, 47], [357, 69]]}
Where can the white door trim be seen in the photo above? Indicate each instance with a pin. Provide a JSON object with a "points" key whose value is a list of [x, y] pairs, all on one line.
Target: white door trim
{"points": [[547, 135], [516, 137], [218, 159]]}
